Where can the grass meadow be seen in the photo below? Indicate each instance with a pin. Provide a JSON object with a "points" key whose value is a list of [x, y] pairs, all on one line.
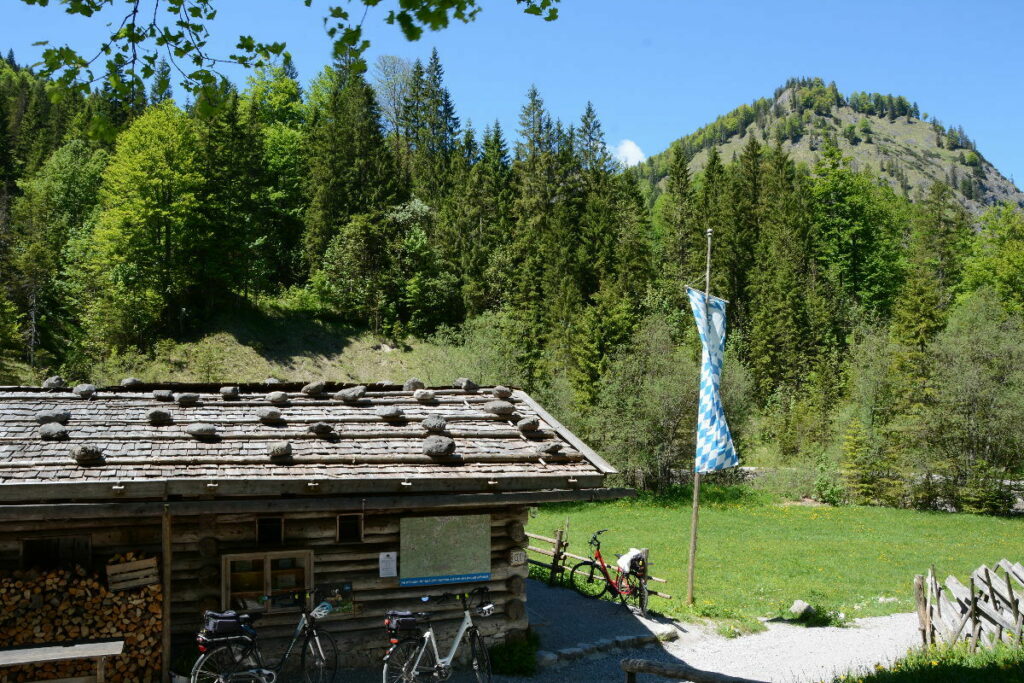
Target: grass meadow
{"points": [[757, 555]]}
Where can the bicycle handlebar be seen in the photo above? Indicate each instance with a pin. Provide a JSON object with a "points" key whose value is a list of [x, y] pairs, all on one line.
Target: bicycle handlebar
{"points": [[594, 540], [482, 591]]}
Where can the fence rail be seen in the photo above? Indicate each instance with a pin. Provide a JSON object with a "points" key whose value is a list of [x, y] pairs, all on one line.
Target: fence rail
{"points": [[557, 565], [988, 610]]}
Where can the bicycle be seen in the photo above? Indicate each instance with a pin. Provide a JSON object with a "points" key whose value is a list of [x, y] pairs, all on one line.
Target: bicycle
{"points": [[415, 657], [592, 579], [231, 653]]}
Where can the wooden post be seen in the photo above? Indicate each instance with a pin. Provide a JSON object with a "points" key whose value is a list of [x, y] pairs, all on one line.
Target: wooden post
{"points": [[919, 600], [166, 611], [556, 560], [694, 517], [1018, 618], [975, 624]]}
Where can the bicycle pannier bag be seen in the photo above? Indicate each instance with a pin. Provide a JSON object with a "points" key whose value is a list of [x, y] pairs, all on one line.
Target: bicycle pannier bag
{"points": [[222, 623], [400, 622]]}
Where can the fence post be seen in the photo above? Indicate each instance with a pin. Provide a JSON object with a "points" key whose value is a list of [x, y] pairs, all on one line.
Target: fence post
{"points": [[556, 559], [919, 599]]}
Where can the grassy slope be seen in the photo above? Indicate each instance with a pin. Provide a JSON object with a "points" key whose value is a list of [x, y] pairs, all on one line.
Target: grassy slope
{"points": [[249, 344], [756, 557]]}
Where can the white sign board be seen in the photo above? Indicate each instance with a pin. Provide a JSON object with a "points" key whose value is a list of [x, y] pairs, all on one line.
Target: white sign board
{"points": [[388, 565]]}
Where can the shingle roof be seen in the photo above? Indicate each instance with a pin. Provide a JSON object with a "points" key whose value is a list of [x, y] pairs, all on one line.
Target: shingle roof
{"points": [[363, 453]]}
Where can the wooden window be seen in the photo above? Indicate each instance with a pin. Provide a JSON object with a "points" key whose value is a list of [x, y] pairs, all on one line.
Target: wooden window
{"points": [[350, 528], [269, 531], [62, 552], [268, 582]]}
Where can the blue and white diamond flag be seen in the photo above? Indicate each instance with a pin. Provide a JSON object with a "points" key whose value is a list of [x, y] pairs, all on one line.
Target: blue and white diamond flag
{"points": [[715, 450]]}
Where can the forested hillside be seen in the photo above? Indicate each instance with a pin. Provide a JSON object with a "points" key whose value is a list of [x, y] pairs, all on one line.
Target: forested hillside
{"points": [[875, 342], [887, 135]]}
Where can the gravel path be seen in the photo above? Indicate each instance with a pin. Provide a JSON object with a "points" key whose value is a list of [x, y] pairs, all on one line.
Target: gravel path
{"points": [[784, 653]]}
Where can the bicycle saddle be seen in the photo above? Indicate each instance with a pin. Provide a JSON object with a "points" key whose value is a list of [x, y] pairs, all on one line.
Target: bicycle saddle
{"points": [[232, 614]]}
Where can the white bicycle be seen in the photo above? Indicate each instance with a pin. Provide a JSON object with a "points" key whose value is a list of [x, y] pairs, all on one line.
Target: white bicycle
{"points": [[414, 656]]}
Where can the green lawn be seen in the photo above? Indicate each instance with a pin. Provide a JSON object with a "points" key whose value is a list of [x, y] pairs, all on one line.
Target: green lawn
{"points": [[756, 556]]}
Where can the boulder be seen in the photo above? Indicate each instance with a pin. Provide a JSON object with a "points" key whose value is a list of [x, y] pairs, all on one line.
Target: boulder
{"points": [[279, 451], [351, 395], [131, 382], [84, 391], [269, 416], [501, 392], [466, 384], [56, 415], [55, 382], [229, 393], [799, 608], [278, 397], [186, 399], [424, 395], [201, 430], [159, 416], [271, 380], [434, 423], [413, 383], [320, 428], [314, 388], [87, 455], [502, 408], [528, 424], [550, 448], [163, 395], [438, 446], [53, 431], [390, 413]]}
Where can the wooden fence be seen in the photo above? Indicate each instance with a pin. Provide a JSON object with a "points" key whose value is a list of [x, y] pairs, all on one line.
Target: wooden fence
{"points": [[560, 561], [987, 610]]}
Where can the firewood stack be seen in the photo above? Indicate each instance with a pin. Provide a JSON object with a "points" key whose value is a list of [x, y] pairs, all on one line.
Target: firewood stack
{"points": [[72, 606]]}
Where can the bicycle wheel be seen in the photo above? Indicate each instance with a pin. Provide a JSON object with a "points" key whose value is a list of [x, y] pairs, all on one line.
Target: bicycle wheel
{"points": [[400, 664], [637, 596], [481, 660], [588, 580], [319, 658], [223, 660]]}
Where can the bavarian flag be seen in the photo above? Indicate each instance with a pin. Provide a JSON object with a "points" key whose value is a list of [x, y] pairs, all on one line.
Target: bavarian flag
{"points": [[715, 450]]}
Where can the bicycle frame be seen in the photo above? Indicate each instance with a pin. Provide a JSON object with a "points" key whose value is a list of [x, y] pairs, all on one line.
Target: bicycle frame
{"points": [[429, 637], [616, 584]]}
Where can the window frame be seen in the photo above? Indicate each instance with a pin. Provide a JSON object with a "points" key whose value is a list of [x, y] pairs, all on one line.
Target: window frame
{"points": [[266, 557], [337, 528]]}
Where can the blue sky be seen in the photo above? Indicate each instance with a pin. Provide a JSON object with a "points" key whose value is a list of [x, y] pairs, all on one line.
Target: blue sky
{"points": [[657, 69]]}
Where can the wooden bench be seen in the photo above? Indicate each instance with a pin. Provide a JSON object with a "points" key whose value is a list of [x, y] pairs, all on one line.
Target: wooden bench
{"points": [[37, 654]]}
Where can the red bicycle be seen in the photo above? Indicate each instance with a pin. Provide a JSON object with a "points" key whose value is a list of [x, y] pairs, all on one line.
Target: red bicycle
{"points": [[592, 578]]}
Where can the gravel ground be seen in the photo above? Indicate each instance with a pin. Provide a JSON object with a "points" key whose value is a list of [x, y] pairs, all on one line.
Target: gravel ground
{"points": [[783, 653]]}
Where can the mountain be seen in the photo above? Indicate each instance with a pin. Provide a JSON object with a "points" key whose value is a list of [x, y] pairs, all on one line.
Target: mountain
{"points": [[885, 134]]}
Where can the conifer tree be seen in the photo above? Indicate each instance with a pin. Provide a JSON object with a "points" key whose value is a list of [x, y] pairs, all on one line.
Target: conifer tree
{"points": [[351, 169], [160, 88], [744, 231]]}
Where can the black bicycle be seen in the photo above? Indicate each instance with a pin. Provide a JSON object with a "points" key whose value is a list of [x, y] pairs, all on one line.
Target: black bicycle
{"points": [[231, 653]]}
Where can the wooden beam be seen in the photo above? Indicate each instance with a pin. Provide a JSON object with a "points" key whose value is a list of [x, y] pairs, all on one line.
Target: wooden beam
{"points": [[166, 559], [132, 509]]}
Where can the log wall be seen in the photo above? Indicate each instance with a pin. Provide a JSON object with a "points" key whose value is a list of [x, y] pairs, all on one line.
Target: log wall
{"points": [[198, 542]]}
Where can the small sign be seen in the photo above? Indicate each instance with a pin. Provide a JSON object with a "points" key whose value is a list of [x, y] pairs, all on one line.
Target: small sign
{"points": [[388, 565], [516, 557]]}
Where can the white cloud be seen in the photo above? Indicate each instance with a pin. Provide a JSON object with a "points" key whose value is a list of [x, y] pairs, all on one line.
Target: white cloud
{"points": [[629, 153]]}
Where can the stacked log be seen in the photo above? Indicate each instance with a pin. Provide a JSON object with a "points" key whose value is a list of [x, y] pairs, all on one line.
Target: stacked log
{"points": [[63, 605]]}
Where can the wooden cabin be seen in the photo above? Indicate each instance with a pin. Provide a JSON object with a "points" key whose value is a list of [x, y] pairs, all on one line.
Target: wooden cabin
{"points": [[243, 497]]}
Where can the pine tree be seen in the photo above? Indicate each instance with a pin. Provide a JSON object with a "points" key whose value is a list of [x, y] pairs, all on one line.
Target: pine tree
{"points": [[739, 243], [779, 336], [160, 88], [712, 214], [351, 169]]}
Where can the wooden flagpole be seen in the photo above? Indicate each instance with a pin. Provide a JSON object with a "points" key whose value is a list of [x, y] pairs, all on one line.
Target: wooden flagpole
{"points": [[696, 475]]}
